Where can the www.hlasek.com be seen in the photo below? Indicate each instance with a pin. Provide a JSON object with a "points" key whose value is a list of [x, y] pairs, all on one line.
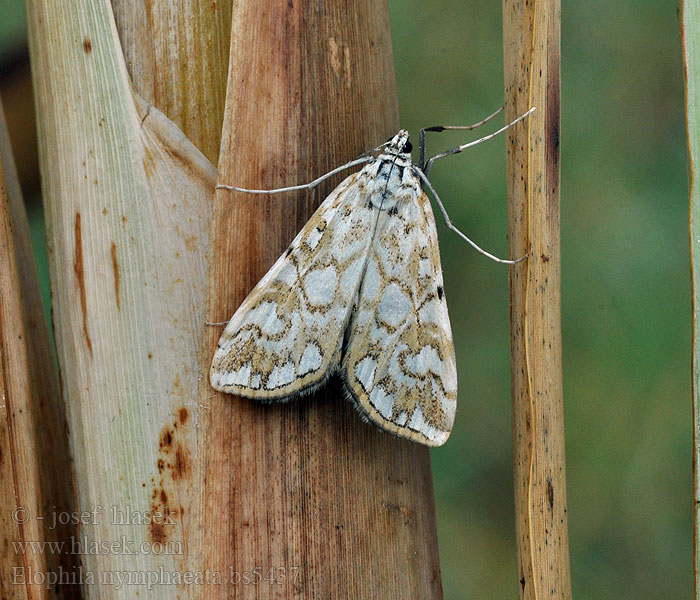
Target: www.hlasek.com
{"points": [[150, 579], [85, 546]]}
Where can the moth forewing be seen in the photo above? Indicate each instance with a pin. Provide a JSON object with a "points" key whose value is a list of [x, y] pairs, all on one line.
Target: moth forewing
{"points": [[399, 367], [285, 338]]}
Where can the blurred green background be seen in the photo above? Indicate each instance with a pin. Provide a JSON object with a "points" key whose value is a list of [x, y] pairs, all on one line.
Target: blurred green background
{"points": [[625, 291]]}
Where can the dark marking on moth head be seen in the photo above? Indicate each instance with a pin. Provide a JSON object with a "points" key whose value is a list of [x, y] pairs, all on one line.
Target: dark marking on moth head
{"points": [[440, 292], [393, 211]]}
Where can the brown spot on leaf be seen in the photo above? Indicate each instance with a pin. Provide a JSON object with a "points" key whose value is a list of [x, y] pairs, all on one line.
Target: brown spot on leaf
{"points": [[80, 277], [149, 163], [181, 465], [115, 270], [157, 532], [404, 512], [166, 439], [191, 243], [87, 46], [173, 467], [550, 494]]}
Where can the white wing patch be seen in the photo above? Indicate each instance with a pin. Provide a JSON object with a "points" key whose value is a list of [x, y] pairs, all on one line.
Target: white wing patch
{"points": [[365, 269], [286, 337]]}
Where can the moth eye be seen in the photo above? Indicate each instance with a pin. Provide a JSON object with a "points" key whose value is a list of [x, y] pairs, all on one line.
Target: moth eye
{"points": [[408, 146]]}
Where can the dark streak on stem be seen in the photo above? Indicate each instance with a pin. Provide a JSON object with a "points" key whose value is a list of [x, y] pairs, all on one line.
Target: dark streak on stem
{"points": [[115, 270], [80, 278]]}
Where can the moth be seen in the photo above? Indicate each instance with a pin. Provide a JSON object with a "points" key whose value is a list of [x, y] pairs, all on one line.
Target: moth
{"points": [[358, 293]]}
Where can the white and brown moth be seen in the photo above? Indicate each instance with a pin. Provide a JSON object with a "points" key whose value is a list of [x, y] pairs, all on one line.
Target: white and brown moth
{"points": [[359, 292]]}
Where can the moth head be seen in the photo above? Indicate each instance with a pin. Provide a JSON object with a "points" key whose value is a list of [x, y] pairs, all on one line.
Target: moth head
{"points": [[400, 143]]}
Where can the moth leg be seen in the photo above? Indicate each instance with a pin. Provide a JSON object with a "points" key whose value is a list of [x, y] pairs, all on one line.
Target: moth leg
{"points": [[421, 135], [458, 149], [304, 186], [449, 224]]}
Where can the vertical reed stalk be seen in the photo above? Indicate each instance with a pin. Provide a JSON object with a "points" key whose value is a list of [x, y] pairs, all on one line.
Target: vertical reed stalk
{"points": [[35, 476], [325, 504], [531, 53], [128, 207], [690, 33]]}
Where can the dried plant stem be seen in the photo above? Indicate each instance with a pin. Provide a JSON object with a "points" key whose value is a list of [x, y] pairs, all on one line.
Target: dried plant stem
{"points": [[531, 55], [690, 28], [35, 479], [127, 201], [305, 490]]}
